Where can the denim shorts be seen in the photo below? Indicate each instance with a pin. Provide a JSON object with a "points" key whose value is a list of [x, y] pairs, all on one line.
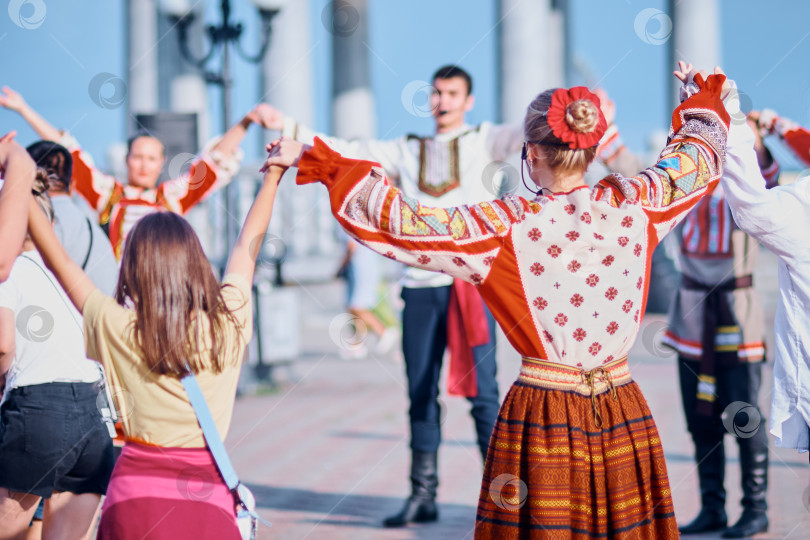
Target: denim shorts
{"points": [[53, 438]]}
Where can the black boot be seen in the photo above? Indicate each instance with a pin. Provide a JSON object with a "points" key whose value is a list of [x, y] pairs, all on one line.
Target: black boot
{"points": [[711, 470], [421, 505], [754, 469]]}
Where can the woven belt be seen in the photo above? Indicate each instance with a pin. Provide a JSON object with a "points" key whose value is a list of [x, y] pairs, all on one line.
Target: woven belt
{"points": [[554, 376]]}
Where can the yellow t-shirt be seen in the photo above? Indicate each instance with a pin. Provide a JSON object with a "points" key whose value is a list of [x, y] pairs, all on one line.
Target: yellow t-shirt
{"points": [[154, 409]]}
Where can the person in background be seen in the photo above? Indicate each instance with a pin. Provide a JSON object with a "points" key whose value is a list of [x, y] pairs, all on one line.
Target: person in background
{"points": [[82, 237], [121, 205], [54, 442], [440, 313]]}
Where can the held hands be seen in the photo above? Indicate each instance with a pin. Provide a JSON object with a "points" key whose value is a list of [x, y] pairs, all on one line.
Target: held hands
{"points": [[686, 74], [267, 116], [284, 152], [11, 100]]}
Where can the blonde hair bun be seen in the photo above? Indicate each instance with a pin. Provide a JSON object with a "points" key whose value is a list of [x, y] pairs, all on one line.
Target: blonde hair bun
{"points": [[582, 116]]}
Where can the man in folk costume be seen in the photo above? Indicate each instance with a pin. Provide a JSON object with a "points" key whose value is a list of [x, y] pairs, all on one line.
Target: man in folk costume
{"points": [[445, 169], [121, 205]]}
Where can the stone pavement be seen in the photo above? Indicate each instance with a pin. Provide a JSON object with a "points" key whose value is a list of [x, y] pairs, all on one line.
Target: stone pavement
{"points": [[326, 453]]}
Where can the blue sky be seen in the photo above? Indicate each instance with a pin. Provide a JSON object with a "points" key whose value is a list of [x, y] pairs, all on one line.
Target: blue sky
{"points": [[764, 47]]}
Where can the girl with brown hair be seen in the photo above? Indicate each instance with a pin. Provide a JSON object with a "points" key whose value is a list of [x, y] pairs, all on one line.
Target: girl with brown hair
{"points": [[169, 317], [575, 452]]}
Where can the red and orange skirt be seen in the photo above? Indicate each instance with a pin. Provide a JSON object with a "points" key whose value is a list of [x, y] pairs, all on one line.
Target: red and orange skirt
{"points": [[167, 493], [575, 454]]}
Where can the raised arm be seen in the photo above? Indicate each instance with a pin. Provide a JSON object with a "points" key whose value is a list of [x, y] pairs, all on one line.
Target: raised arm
{"points": [[389, 154], [14, 101], [18, 171], [214, 168], [778, 217], [795, 136], [504, 139], [69, 274], [251, 238], [461, 241], [691, 164]]}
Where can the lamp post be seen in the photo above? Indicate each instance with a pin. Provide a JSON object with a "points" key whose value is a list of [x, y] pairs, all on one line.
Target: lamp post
{"points": [[222, 38]]}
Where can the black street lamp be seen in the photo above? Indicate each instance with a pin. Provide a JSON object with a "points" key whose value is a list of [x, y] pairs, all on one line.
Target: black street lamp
{"points": [[222, 37]]}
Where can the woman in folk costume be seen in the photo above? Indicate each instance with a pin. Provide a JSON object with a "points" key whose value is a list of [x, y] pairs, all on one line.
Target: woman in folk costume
{"points": [[575, 452]]}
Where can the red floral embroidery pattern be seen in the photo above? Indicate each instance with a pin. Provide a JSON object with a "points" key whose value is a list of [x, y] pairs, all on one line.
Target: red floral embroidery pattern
{"points": [[537, 269], [627, 222], [594, 348], [488, 260], [586, 217], [476, 279], [458, 261], [607, 261], [623, 241], [560, 319], [608, 359], [598, 236], [548, 336], [390, 255], [611, 293], [627, 306], [535, 234], [579, 334], [554, 251], [612, 328], [592, 280], [639, 283], [423, 259], [570, 209], [540, 303], [572, 235], [577, 300], [635, 316], [637, 250], [573, 266]]}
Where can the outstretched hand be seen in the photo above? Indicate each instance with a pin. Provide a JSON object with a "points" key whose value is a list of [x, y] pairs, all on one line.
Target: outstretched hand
{"points": [[686, 74], [268, 117], [284, 152], [11, 100]]}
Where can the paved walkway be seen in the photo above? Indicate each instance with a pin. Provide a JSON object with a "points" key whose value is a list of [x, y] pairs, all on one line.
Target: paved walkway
{"points": [[326, 454]]}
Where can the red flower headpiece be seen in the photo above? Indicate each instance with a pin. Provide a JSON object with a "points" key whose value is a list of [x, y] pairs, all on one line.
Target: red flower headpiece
{"points": [[560, 100]]}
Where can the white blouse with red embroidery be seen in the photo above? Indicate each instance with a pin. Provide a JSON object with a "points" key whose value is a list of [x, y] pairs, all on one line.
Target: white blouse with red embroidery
{"points": [[564, 275]]}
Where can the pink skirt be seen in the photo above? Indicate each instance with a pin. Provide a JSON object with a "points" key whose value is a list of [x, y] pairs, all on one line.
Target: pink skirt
{"points": [[170, 493]]}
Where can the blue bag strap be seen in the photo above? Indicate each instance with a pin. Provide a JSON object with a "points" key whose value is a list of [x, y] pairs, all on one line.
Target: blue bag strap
{"points": [[210, 432]]}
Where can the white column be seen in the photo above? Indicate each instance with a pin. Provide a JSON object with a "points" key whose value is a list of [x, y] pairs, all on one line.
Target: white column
{"points": [[286, 84], [695, 36], [142, 57], [532, 42]]}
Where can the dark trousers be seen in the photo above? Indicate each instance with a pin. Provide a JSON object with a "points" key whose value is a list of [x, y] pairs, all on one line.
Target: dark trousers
{"points": [[737, 388], [424, 339]]}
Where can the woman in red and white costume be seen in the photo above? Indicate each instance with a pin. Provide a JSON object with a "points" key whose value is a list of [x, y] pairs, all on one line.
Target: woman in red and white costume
{"points": [[575, 452]]}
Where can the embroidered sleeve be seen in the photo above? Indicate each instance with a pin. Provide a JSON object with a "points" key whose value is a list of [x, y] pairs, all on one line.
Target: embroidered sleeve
{"points": [[689, 167], [795, 136], [94, 186], [181, 194], [461, 241]]}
